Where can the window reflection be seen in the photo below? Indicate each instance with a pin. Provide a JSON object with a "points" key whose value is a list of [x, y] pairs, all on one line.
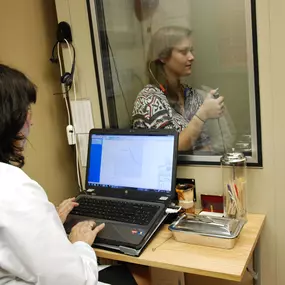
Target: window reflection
{"points": [[207, 44]]}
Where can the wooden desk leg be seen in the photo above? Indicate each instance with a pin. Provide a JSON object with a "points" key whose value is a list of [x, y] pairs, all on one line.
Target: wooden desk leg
{"points": [[161, 276], [254, 269], [140, 273]]}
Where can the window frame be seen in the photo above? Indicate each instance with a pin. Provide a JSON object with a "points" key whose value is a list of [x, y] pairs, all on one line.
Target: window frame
{"points": [[100, 47]]}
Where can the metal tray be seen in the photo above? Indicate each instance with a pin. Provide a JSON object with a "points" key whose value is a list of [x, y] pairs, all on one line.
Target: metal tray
{"points": [[218, 227]]}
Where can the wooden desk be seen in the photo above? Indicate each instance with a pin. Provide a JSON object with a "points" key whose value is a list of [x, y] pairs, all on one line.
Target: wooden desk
{"points": [[164, 252]]}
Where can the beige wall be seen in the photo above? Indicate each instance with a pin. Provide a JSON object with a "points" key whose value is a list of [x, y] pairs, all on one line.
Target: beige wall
{"points": [[265, 186], [27, 35]]}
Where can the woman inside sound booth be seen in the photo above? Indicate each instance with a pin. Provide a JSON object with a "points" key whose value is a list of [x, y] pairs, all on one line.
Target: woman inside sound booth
{"points": [[166, 103]]}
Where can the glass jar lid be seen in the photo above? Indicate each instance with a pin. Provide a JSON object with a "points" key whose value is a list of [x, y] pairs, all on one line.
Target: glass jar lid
{"points": [[233, 157]]}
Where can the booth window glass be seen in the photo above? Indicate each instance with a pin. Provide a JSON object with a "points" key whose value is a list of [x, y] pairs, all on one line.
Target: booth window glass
{"points": [[224, 38]]}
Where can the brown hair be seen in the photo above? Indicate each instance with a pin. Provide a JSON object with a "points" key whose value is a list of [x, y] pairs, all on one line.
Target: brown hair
{"points": [[17, 93]]}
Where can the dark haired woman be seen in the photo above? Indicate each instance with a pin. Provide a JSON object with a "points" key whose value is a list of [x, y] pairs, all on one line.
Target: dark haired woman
{"points": [[34, 248]]}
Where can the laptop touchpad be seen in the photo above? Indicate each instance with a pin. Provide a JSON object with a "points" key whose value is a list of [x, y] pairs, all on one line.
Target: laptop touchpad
{"points": [[121, 232], [132, 234]]}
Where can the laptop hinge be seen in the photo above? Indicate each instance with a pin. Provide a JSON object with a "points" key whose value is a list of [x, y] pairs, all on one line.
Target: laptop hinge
{"points": [[129, 251]]}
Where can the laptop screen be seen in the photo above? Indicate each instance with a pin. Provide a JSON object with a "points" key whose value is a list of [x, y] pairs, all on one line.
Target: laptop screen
{"points": [[140, 162]]}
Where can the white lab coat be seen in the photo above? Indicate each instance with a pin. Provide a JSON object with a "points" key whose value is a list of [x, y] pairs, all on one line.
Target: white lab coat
{"points": [[34, 248]]}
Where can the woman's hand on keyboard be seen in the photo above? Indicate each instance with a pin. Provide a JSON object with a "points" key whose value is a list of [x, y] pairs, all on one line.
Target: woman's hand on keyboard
{"points": [[65, 208], [85, 231]]}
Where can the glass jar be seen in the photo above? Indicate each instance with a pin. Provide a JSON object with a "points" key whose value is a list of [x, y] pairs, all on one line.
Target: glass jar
{"points": [[234, 179], [185, 193]]}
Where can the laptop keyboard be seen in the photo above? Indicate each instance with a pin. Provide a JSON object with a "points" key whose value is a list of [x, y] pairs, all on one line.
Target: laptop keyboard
{"points": [[121, 211]]}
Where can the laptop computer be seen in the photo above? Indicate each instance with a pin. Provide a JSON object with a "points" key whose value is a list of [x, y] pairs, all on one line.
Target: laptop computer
{"points": [[130, 181]]}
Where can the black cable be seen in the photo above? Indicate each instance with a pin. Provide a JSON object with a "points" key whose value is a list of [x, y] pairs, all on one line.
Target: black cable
{"points": [[56, 59], [63, 93], [53, 58], [139, 79], [118, 79]]}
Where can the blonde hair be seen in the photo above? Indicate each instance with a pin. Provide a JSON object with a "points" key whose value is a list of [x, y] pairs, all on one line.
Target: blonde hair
{"points": [[161, 46]]}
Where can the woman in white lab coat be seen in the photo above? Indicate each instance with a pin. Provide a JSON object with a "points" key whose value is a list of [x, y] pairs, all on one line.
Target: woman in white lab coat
{"points": [[34, 248]]}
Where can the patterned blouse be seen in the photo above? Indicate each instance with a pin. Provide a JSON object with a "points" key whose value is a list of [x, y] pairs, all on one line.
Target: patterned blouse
{"points": [[152, 110]]}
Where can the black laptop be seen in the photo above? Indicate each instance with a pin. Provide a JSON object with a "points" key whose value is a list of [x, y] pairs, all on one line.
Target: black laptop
{"points": [[130, 181]]}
